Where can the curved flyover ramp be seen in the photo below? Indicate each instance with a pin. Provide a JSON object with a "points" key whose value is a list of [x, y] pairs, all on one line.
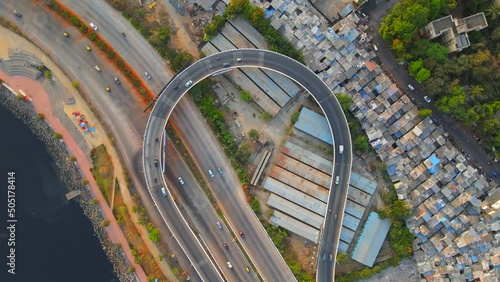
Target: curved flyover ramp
{"points": [[271, 270]]}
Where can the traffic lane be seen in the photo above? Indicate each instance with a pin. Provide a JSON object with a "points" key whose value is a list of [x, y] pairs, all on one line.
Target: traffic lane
{"points": [[277, 67], [203, 216], [133, 47], [174, 220], [229, 194], [199, 72], [79, 61]]}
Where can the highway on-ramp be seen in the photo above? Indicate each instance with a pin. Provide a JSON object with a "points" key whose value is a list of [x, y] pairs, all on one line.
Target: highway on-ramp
{"points": [[203, 68]]}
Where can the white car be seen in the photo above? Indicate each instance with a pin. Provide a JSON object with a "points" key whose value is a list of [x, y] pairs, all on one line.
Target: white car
{"points": [[411, 87], [211, 173], [337, 180], [219, 225], [188, 83], [147, 75], [163, 191], [181, 181], [93, 26], [229, 264], [427, 99]]}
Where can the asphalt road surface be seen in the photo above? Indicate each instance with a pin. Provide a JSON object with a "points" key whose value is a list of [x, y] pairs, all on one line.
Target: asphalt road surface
{"points": [[133, 47], [340, 134], [203, 219]]}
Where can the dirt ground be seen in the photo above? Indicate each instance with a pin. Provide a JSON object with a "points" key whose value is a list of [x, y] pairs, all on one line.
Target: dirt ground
{"points": [[406, 271], [305, 251]]}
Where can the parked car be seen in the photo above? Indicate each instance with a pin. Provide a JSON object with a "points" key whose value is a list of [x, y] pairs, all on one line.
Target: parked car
{"points": [[181, 181], [211, 173], [148, 76], [17, 14], [97, 68], [427, 99], [331, 257], [93, 26], [65, 34], [247, 269]]}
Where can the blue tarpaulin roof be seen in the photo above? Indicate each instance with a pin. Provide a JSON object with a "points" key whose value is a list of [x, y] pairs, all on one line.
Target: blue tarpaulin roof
{"points": [[435, 161], [268, 13], [315, 125], [391, 169]]}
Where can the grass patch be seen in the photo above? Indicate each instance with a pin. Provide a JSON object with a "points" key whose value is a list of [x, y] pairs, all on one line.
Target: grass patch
{"points": [[102, 171], [140, 250]]}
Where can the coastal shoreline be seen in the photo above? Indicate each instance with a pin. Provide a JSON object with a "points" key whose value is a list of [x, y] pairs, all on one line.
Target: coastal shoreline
{"points": [[71, 175]]}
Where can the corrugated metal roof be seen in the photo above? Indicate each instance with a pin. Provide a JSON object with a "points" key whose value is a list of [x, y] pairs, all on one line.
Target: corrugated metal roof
{"points": [[371, 239], [314, 124]]}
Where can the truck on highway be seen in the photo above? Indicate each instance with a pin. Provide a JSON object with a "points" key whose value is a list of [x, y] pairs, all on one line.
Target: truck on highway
{"points": [[341, 149]]}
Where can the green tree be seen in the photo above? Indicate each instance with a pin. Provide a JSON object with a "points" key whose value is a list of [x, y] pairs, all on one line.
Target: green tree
{"points": [[111, 54], [92, 36], [245, 96], [415, 67], [119, 63], [266, 116], [295, 117], [48, 74], [493, 12], [253, 133], [398, 211], [105, 223], [345, 102], [65, 14], [255, 205], [475, 91], [361, 143], [236, 7], [154, 235], [75, 21], [84, 28], [422, 75], [40, 116], [401, 239], [342, 258], [75, 84], [101, 45], [438, 52], [423, 113], [179, 61], [57, 135]]}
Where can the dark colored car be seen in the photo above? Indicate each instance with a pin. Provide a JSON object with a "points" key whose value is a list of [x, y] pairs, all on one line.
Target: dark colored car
{"points": [[156, 162], [225, 245], [242, 234]]}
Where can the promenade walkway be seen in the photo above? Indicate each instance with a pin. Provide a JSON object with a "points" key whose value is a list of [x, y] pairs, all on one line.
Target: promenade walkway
{"points": [[57, 114]]}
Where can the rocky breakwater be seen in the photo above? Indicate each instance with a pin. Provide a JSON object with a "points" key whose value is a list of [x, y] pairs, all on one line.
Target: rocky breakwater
{"points": [[69, 172]]}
